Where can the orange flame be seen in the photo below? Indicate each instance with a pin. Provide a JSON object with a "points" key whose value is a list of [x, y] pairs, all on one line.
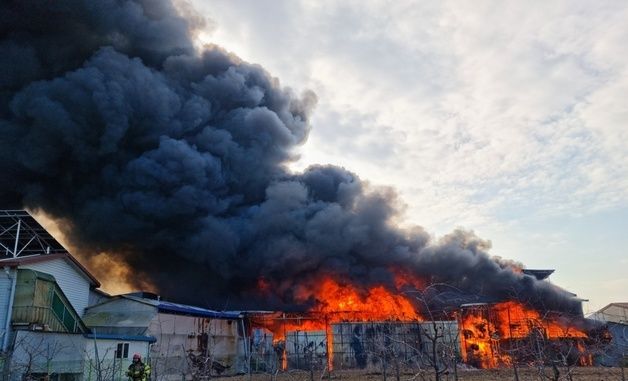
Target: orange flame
{"points": [[337, 302], [377, 303], [484, 328]]}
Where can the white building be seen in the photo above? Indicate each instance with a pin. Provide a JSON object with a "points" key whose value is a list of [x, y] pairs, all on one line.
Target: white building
{"points": [[187, 337], [44, 292]]}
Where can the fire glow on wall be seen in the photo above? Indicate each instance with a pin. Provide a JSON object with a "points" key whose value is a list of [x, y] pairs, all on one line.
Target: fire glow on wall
{"points": [[400, 325]]}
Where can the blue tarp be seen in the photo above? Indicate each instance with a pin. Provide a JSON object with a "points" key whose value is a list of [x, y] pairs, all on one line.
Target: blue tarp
{"points": [[113, 336], [163, 306]]}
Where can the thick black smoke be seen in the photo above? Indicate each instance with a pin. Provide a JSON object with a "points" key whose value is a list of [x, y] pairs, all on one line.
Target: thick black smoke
{"points": [[175, 160]]}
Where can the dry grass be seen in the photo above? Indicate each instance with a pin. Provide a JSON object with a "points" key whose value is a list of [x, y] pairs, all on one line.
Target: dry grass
{"points": [[527, 374]]}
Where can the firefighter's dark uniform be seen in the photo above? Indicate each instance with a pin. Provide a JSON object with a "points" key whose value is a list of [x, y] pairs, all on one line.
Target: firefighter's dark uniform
{"points": [[139, 371]]}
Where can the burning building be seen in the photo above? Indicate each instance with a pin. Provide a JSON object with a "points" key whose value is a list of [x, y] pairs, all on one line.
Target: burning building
{"points": [[418, 326], [173, 161], [409, 324], [336, 341], [499, 334]]}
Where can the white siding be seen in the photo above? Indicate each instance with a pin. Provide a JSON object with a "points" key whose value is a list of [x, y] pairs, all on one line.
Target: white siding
{"points": [[73, 284], [5, 292]]}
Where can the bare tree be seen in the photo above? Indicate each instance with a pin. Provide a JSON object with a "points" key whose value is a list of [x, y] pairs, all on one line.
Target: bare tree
{"points": [[442, 347], [36, 355], [103, 368], [31, 350]]}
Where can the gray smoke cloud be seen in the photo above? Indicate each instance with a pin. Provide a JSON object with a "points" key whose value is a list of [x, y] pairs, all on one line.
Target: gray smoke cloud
{"points": [[174, 160]]}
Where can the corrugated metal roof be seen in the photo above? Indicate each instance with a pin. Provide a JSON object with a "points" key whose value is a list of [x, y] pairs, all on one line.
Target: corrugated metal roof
{"points": [[176, 308], [183, 309], [108, 318], [109, 336]]}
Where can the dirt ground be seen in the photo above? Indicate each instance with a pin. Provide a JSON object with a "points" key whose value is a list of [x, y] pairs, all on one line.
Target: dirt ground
{"points": [[527, 374]]}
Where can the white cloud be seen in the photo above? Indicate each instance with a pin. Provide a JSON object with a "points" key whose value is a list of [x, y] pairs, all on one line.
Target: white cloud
{"points": [[480, 113]]}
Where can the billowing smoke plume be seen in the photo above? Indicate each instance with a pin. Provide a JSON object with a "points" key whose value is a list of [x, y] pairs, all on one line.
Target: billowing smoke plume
{"points": [[174, 160]]}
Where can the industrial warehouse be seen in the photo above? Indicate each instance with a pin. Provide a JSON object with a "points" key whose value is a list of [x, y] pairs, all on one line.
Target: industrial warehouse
{"points": [[56, 324]]}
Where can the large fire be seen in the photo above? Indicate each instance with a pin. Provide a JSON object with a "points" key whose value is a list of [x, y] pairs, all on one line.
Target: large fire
{"points": [[486, 329], [490, 335], [338, 302]]}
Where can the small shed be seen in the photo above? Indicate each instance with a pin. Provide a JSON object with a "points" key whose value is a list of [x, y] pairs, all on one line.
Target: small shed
{"points": [[190, 340]]}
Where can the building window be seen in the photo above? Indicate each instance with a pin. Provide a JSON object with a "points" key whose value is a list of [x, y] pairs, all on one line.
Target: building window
{"points": [[122, 352]]}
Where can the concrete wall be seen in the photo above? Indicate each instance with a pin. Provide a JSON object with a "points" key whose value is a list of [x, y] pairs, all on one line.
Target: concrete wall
{"points": [[184, 341]]}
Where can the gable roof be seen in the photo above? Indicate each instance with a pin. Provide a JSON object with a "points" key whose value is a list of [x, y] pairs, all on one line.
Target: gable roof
{"points": [[19, 261], [615, 304]]}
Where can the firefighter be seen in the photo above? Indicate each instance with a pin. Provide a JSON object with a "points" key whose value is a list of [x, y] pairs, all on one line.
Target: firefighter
{"points": [[138, 371]]}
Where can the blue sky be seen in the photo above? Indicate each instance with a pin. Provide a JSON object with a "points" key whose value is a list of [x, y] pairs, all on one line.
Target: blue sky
{"points": [[506, 118]]}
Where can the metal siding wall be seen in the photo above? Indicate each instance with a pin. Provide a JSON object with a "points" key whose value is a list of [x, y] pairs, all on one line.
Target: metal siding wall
{"points": [[73, 284], [5, 291]]}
